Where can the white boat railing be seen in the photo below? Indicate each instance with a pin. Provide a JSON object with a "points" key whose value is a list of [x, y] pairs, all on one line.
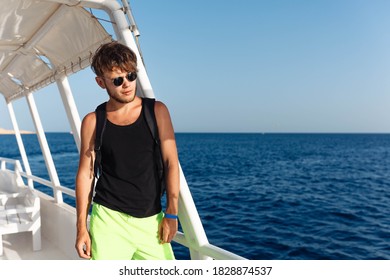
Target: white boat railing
{"points": [[193, 236], [205, 251]]}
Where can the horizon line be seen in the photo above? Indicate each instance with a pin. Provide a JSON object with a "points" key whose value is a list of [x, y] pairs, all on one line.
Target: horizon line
{"points": [[227, 132]]}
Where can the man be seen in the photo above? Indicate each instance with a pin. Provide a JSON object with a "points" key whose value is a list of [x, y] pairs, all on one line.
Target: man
{"points": [[127, 221]]}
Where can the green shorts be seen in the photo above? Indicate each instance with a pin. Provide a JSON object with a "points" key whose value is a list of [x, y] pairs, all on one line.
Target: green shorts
{"points": [[119, 236]]}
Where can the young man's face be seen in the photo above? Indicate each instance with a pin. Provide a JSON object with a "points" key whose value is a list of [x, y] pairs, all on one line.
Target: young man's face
{"points": [[122, 93]]}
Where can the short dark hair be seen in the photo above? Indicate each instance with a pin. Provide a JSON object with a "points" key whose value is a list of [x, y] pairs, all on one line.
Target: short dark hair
{"points": [[111, 55]]}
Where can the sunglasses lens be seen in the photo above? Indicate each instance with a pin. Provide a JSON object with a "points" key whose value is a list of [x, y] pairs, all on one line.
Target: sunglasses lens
{"points": [[118, 81], [132, 76]]}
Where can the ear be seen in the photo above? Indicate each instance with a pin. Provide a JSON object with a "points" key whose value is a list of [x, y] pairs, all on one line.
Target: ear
{"points": [[100, 82]]}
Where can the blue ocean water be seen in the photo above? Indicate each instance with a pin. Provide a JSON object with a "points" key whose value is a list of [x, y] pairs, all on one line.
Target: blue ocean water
{"points": [[272, 196]]}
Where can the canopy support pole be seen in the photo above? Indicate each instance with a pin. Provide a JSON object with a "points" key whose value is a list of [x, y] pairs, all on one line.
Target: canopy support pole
{"points": [[70, 108], [124, 35], [45, 148], [190, 221], [19, 140], [188, 214]]}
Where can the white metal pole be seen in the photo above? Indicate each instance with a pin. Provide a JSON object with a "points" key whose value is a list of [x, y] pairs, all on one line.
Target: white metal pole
{"points": [[70, 108], [190, 220], [189, 217], [44, 148], [19, 140], [124, 35]]}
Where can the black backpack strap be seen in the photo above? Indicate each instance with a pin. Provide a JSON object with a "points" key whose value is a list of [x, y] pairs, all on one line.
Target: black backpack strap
{"points": [[150, 118], [101, 120]]}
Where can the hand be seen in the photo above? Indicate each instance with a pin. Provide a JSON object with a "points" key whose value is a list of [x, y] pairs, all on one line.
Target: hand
{"points": [[83, 244], [167, 230]]}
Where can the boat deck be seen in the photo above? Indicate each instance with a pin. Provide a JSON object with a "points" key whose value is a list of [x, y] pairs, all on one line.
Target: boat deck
{"points": [[57, 239], [18, 246]]}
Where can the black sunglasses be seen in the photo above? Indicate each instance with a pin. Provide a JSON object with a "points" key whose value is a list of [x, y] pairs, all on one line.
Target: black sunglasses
{"points": [[118, 81]]}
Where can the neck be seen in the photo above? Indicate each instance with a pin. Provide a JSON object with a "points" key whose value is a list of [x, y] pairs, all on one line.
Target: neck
{"points": [[118, 105]]}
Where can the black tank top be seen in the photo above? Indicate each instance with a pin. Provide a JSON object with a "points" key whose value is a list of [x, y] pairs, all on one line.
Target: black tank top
{"points": [[128, 182]]}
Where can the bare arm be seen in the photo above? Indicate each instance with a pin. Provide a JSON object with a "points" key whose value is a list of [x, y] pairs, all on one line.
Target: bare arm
{"points": [[84, 185], [171, 163]]}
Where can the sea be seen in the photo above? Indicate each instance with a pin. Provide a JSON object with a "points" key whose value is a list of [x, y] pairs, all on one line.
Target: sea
{"points": [[271, 196]]}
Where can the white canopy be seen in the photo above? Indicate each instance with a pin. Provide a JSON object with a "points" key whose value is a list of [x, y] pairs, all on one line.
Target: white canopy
{"points": [[43, 40]]}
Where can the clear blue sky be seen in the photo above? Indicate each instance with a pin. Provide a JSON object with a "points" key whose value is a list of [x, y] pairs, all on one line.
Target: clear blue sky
{"points": [[254, 66]]}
